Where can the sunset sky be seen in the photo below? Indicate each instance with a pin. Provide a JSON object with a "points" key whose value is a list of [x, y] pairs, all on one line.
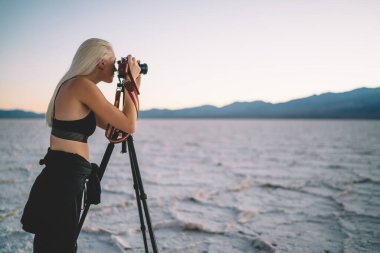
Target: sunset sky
{"points": [[198, 51]]}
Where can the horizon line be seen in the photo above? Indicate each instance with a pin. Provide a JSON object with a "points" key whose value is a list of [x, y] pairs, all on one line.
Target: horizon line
{"points": [[206, 104]]}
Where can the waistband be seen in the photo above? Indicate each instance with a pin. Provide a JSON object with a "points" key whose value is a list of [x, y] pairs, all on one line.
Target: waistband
{"points": [[60, 158], [72, 136]]}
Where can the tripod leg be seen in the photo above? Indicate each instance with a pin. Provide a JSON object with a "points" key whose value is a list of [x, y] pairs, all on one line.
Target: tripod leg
{"points": [[137, 192], [142, 197]]}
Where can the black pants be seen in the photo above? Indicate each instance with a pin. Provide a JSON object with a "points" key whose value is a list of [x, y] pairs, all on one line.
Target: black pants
{"points": [[56, 244], [53, 209], [63, 238]]}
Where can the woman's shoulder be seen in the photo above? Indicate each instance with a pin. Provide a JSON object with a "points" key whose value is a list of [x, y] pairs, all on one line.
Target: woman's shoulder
{"points": [[85, 91], [79, 88], [79, 82]]}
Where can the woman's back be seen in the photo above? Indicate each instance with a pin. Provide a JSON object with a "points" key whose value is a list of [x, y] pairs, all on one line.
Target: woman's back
{"points": [[71, 116]]}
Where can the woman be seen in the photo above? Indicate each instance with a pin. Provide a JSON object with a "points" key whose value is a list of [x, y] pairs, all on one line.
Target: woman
{"points": [[76, 108]]}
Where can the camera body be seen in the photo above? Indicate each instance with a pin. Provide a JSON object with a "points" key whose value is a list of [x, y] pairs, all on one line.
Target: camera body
{"points": [[122, 64]]}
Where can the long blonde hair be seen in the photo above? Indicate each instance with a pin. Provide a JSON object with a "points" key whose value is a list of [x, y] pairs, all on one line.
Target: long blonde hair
{"points": [[87, 57]]}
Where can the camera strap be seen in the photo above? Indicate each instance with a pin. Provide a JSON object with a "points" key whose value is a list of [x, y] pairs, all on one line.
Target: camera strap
{"points": [[133, 91], [113, 134]]}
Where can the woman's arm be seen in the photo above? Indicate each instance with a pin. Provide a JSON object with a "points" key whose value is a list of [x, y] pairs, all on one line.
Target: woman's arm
{"points": [[106, 113], [100, 123]]}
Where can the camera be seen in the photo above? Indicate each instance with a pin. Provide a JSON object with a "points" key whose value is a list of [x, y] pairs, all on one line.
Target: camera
{"points": [[122, 64]]}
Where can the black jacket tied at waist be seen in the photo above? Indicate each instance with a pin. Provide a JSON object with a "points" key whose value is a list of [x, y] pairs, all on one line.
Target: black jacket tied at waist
{"points": [[93, 186], [57, 190]]}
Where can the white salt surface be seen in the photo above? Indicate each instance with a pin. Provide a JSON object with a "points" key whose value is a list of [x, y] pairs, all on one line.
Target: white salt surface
{"points": [[217, 186]]}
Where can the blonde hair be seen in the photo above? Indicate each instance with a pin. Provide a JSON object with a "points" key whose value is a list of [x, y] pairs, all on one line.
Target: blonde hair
{"points": [[87, 57]]}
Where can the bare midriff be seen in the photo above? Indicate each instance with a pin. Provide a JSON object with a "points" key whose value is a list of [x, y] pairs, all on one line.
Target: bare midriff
{"points": [[68, 146]]}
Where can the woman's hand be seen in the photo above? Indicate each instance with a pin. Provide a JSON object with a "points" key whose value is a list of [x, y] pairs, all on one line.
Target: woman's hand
{"points": [[134, 67], [138, 81]]}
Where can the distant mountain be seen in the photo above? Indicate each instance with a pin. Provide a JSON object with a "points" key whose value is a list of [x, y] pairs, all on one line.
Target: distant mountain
{"points": [[15, 114], [362, 103]]}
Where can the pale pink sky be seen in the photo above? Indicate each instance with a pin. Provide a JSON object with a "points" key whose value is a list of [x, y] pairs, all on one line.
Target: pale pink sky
{"points": [[199, 52]]}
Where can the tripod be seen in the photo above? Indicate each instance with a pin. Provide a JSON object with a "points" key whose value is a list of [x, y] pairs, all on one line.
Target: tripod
{"points": [[117, 136], [137, 185]]}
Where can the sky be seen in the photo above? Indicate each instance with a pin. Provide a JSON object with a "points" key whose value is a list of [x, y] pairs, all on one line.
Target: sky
{"points": [[198, 51]]}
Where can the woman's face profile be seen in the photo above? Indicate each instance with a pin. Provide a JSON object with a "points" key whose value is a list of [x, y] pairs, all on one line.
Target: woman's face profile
{"points": [[109, 70]]}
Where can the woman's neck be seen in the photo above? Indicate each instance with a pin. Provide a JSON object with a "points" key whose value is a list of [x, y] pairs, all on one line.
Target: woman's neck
{"points": [[93, 77]]}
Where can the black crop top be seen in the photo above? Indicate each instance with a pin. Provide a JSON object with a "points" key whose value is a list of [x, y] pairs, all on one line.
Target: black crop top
{"points": [[86, 125], [76, 130]]}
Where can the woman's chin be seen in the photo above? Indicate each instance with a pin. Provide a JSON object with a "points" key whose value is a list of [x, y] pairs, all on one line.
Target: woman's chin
{"points": [[109, 80]]}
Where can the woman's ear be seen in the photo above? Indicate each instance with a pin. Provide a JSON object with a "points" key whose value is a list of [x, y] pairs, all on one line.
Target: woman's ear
{"points": [[101, 65]]}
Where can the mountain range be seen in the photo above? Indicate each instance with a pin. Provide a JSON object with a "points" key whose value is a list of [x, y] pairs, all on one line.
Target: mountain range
{"points": [[362, 103], [20, 114]]}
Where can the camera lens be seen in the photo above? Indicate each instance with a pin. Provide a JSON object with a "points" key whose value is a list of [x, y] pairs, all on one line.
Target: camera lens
{"points": [[144, 68]]}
